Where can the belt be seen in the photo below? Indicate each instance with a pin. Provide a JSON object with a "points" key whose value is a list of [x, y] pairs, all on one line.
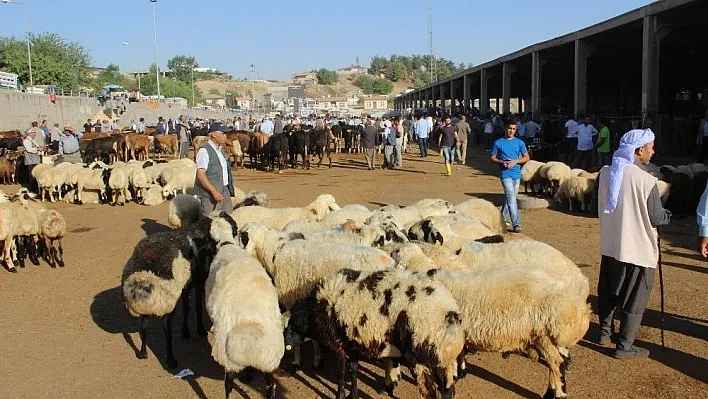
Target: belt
{"points": [[70, 153]]}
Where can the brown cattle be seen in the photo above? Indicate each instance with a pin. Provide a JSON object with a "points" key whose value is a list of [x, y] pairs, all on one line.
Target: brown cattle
{"points": [[137, 144], [199, 142], [11, 134], [168, 143], [94, 135]]}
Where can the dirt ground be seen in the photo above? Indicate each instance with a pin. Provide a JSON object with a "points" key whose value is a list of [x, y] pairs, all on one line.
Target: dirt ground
{"points": [[65, 333]]}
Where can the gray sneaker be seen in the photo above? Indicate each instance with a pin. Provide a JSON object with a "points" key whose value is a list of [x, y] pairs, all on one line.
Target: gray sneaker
{"points": [[605, 340], [634, 353]]}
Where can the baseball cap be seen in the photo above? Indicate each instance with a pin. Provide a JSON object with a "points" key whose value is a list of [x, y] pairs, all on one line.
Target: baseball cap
{"points": [[219, 127]]}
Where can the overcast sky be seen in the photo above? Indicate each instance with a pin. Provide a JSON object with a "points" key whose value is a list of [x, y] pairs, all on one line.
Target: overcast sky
{"points": [[284, 37]]}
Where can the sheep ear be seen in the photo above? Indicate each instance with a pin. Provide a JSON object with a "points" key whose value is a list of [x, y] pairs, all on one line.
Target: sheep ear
{"points": [[437, 237], [244, 238], [380, 241]]}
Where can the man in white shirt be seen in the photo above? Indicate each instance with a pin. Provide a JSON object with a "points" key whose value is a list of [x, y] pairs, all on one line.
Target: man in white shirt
{"points": [[532, 130], [214, 182], [520, 128], [571, 138], [267, 127], [585, 132]]}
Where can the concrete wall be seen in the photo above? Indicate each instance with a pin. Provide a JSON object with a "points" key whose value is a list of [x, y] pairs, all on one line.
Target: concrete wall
{"points": [[18, 110], [144, 110]]}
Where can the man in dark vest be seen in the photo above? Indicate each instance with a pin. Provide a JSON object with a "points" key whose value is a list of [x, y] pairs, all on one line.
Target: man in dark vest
{"points": [[214, 183]]}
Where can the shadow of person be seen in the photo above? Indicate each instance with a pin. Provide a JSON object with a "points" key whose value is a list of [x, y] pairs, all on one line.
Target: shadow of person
{"points": [[151, 226]]}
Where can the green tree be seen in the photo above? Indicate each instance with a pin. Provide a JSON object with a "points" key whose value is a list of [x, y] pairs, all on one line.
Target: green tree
{"points": [[182, 67], [110, 75], [396, 70], [54, 60], [214, 90], [327, 77], [365, 83], [382, 86], [169, 87], [379, 65]]}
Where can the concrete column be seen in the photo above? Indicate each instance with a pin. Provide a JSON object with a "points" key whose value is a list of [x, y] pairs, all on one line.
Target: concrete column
{"points": [[453, 98], [582, 52], [466, 91], [535, 104], [507, 70], [650, 66], [483, 93]]}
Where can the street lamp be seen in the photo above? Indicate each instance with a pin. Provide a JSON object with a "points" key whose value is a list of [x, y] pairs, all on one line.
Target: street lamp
{"points": [[29, 53], [157, 65], [253, 88], [137, 52], [191, 67]]}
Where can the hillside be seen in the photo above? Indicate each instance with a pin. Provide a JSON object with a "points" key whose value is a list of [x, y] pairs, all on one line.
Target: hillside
{"points": [[343, 88]]}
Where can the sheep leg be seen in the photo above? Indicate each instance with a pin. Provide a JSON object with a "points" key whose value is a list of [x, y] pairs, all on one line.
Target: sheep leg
{"points": [[229, 382], [32, 252], [171, 361], [20, 251], [185, 314], [199, 308], [7, 254], [353, 369], [144, 322], [270, 385], [556, 369], [570, 204], [461, 365], [393, 374], [342, 365], [59, 253], [317, 355]]}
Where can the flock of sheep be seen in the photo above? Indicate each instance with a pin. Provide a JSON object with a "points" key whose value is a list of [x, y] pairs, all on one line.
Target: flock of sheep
{"points": [[29, 230], [420, 285], [558, 180], [147, 182]]}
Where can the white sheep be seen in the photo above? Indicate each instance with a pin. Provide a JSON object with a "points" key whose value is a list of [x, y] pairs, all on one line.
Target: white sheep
{"points": [[277, 218], [664, 189], [298, 265], [461, 225], [87, 197], [242, 303], [91, 179], [356, 234], [529, 174], [421, 256], [355, 212], [152, 195], [253, 198], [485, 211], [543, 317], [391, 314], [554, 173], [49, 180], [177, 178], [183, 210], [53, 228], [576, 188], [118, 182], [407, 216], [139, 181]]}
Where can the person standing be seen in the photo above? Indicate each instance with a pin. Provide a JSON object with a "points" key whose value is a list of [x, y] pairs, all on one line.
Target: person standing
{"points": [[630, 209], [446, 141], [603, 144], [702, 139], [54, 137], [571, 138], [161, 128], [369, 141], [45, 132], [488, 134], [532, 130], [140, 126], [69, 150], [520, 128], [267, 127], [278, 126], [33, 147], [389, 142], [88, 126], [423, 129], [509, 152], [585, 132], [182, 132], [401, 142], [702, 219], [463, 130], [214, 182]]}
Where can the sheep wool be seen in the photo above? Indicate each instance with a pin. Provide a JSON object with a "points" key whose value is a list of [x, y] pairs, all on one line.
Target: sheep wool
{"points": [[576, 188], [277, 218], [355, 212], [389, 314], [543, 318], [485, 211], [183, 210], [242, 303]]}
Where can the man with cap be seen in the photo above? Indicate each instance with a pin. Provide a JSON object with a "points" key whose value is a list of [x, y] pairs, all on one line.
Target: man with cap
{"points": [[214, 182], [69, 145], [55, 136], [181, 130], [630, 209], [33, 145], [369, 141]]}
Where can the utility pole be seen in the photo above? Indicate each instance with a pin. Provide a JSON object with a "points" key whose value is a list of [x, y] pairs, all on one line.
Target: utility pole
{"points": [[432, 68], [357, 61]]}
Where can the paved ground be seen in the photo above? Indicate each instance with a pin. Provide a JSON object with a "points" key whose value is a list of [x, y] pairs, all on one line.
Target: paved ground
{"points": [[65, 333]]}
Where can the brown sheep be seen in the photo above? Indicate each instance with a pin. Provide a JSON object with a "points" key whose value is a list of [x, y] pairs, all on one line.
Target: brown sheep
{"points": [[7, 170]]}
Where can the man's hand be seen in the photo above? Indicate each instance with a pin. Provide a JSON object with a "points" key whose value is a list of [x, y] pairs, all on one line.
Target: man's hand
{"points": [[703, 246], [218, 196], [510, 164]]}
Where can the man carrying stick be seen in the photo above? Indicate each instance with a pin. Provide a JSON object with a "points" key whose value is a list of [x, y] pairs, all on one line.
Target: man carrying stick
{"points": [[630, 209]]}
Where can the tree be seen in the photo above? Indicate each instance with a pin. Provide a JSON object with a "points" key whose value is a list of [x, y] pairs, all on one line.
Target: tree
{"points": [[214, 90], [379, 65], [182, 67], [110, 75], [169, 87], [382, 86], [54, 60], [327, 77], [396, 70]]}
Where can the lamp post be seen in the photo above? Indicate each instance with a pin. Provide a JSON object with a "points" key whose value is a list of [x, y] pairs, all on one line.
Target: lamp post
{"points": [[29, 53], [191, 67], [157, 65], [137, 53], [253, 88]]}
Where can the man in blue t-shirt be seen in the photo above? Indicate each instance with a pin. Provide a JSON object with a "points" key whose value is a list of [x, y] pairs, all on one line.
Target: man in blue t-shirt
{"points": [[509, 152]]}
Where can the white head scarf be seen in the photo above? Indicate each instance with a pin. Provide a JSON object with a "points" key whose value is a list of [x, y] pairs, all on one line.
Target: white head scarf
{"points": [[623, 157]]}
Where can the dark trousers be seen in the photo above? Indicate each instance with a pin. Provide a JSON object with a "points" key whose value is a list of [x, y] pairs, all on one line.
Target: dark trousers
{"points": [[31, 180], [704, 150], [570, 145], [423, 144], [623, 293], [583, 159]]}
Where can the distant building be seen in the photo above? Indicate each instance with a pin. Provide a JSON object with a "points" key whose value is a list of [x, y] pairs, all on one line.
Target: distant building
{"points": [[352, 70], [215, 100], [242, 102], [296, 92], [307, 78], [278, 93], [333, 102], [376, 103], [200, 69]]}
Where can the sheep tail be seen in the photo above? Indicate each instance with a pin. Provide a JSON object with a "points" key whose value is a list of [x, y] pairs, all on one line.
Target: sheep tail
{"points": [[251, 344]]}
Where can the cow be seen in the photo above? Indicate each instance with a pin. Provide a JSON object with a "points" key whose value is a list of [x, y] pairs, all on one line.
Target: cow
{"points": [[113, 147], [299, 146], [256, 143], [138, 145], [9, 143], [320, 145], [279, 148], [167, 143]]}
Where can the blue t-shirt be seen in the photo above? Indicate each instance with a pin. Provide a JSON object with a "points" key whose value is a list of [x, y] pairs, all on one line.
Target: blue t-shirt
{"points": [[507, 150]]}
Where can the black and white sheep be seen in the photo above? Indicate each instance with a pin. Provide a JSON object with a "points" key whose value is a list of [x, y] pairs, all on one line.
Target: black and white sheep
{"points": [[277, 218]]}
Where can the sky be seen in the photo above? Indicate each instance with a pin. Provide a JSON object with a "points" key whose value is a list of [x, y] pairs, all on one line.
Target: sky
{"points": [[289, 36]]}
